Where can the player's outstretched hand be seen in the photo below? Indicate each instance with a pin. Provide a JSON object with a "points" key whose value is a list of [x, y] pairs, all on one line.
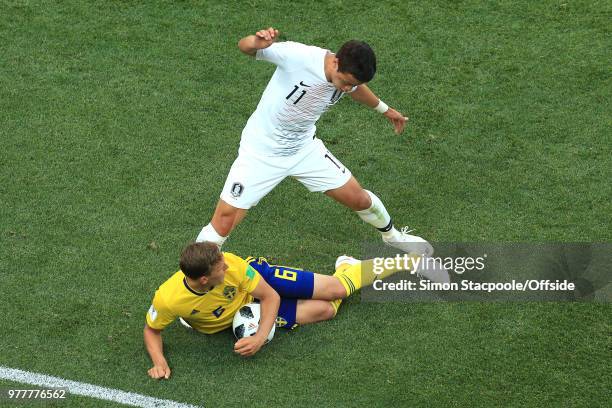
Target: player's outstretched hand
{"points": [[247, 346], [159, 372], [397, 119], [265, 38]]}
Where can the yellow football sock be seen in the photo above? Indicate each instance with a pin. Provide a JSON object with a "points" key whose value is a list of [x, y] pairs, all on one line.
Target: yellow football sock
{"points": [[356, 276], [336, 305], [350, 277]]}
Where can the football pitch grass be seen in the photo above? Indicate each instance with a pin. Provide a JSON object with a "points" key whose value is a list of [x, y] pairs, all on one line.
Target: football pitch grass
{"points": [[119, 122]]}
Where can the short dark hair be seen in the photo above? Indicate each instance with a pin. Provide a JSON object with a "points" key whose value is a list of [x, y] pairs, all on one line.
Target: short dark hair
{"points": [[357, 58], [198, 259]]}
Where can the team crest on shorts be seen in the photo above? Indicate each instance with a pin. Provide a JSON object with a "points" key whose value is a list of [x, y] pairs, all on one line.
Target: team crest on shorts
{"points": [[237, 189], [280, 322], [229, 292]]}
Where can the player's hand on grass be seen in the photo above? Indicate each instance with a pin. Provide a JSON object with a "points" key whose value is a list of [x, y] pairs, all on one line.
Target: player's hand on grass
{"points": [[397, 119], [159, 371], [265, 38], [247, 346]]}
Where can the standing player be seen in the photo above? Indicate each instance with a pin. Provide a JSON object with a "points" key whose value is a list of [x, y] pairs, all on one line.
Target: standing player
{"points": [[211, 286], [279, 138]]}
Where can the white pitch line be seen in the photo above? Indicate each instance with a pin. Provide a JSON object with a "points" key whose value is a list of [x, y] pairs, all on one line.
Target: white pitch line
{"points": [[88, 390]]}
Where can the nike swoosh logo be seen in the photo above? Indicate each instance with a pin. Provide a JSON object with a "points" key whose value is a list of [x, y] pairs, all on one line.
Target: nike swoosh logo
{"points": [[303, 84]]}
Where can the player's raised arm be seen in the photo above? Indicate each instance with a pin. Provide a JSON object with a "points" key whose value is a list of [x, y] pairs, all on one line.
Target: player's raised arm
{"points": [[364, 95], [262, 39], [270, 301], [154, 344]]}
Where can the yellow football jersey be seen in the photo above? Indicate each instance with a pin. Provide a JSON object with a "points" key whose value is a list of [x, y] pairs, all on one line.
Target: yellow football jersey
{"points": [[207, 312]]}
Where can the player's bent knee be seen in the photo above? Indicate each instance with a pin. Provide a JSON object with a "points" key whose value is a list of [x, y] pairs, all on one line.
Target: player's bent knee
{"points": [[313, 311]]}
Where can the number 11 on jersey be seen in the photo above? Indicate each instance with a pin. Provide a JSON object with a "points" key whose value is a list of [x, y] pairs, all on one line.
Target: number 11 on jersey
{"points": [[295, 89]]}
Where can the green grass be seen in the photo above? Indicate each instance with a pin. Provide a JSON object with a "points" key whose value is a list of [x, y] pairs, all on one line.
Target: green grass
{"points": [[120, 120]]}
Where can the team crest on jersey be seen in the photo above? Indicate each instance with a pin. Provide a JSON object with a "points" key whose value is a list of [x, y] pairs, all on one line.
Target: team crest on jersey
{"points": [[237, 189], [229, 292]]}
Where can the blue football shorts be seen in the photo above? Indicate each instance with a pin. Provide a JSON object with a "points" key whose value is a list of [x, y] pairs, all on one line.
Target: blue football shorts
{"points": [[290, 283]]}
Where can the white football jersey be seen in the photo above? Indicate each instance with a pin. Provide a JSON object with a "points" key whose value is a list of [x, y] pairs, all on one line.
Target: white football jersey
{"points": [[296, 96]]}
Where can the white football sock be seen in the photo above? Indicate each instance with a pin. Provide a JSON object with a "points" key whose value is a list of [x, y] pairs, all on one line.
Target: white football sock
{"points": [[388, 235], [209, 234], [377, 216]]}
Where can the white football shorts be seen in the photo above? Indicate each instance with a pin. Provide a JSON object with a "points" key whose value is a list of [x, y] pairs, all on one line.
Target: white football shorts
{"points": [[252, 176]]}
